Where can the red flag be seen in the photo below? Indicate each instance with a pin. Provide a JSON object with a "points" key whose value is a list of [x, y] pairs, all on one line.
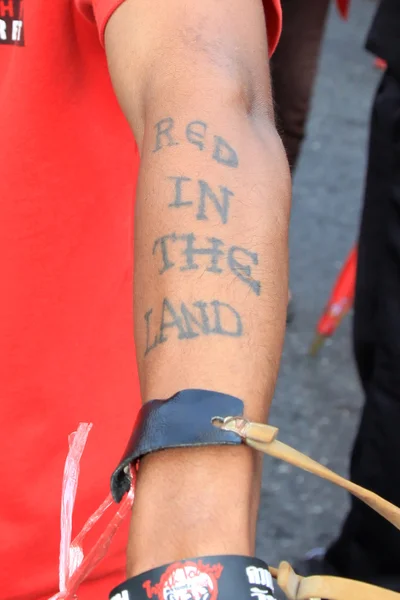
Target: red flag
{"points": [[343, 8], [339, 303]]}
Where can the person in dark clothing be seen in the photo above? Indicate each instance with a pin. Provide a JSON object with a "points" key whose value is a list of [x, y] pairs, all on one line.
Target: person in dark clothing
{"points": [[368, 547], [293, 69]]}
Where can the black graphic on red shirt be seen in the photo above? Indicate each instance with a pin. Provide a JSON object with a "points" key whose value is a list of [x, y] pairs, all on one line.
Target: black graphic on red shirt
{"points": [[12, 22]]}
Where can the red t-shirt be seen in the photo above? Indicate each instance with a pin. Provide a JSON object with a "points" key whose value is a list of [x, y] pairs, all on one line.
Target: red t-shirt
{"points": [[68, 166]]}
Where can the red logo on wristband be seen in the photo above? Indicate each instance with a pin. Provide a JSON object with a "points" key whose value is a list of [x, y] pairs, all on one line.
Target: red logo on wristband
{"points": [[186, 581]]}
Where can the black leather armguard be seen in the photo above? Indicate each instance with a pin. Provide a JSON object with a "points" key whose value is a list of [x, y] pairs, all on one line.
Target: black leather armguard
{"points": [[183, 420]]}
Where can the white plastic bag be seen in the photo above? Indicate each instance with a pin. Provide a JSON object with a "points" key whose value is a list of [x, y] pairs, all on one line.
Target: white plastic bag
{"points": [[74, 566]]}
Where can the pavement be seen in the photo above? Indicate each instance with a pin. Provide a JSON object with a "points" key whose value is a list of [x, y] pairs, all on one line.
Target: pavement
{"points": [[318, 400]]}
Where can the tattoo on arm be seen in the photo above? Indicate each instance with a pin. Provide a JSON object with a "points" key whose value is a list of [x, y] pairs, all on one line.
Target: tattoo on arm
{"points": [[201, 319], [243, 272], [177, 201], [195, 133], [187, 252], [190, 252], [204, 193], [163, 134], [222, 207], [238, 260], [161, 243], [224, 153]]}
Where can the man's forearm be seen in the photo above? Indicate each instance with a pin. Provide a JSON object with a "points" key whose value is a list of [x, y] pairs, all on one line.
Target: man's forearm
{"points": [[210, 304], [211, 254]]}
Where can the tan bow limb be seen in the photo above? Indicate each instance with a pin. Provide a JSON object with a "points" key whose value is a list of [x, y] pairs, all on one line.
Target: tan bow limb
{"points": [[327, 587], [263, 438]]}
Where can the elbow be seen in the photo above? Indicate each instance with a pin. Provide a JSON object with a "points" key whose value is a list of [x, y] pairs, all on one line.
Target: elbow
{"points": [[191, 82], [231, 96]]}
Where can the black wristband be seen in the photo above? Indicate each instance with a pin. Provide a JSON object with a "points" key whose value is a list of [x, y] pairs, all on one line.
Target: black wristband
{"points": [[182, 421], [202, 578]]}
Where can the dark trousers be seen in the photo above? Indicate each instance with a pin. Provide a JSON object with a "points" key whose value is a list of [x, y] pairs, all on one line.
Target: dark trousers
{"points": [[368, 546], [294, 66]]}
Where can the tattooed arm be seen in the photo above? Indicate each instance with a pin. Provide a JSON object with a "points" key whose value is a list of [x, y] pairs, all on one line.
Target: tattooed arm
{"points": [[211, 230]]}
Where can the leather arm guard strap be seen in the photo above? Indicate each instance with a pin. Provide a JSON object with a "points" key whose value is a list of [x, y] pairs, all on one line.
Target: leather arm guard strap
{"points": [[190, 419], [182, 421]]}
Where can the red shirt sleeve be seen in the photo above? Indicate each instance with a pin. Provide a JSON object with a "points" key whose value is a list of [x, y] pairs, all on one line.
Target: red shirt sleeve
{"points": [[273, 17], [103, 9]]}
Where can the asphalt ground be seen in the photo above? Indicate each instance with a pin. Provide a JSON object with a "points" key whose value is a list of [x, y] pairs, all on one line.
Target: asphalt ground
{"points": [[317, 401]]}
